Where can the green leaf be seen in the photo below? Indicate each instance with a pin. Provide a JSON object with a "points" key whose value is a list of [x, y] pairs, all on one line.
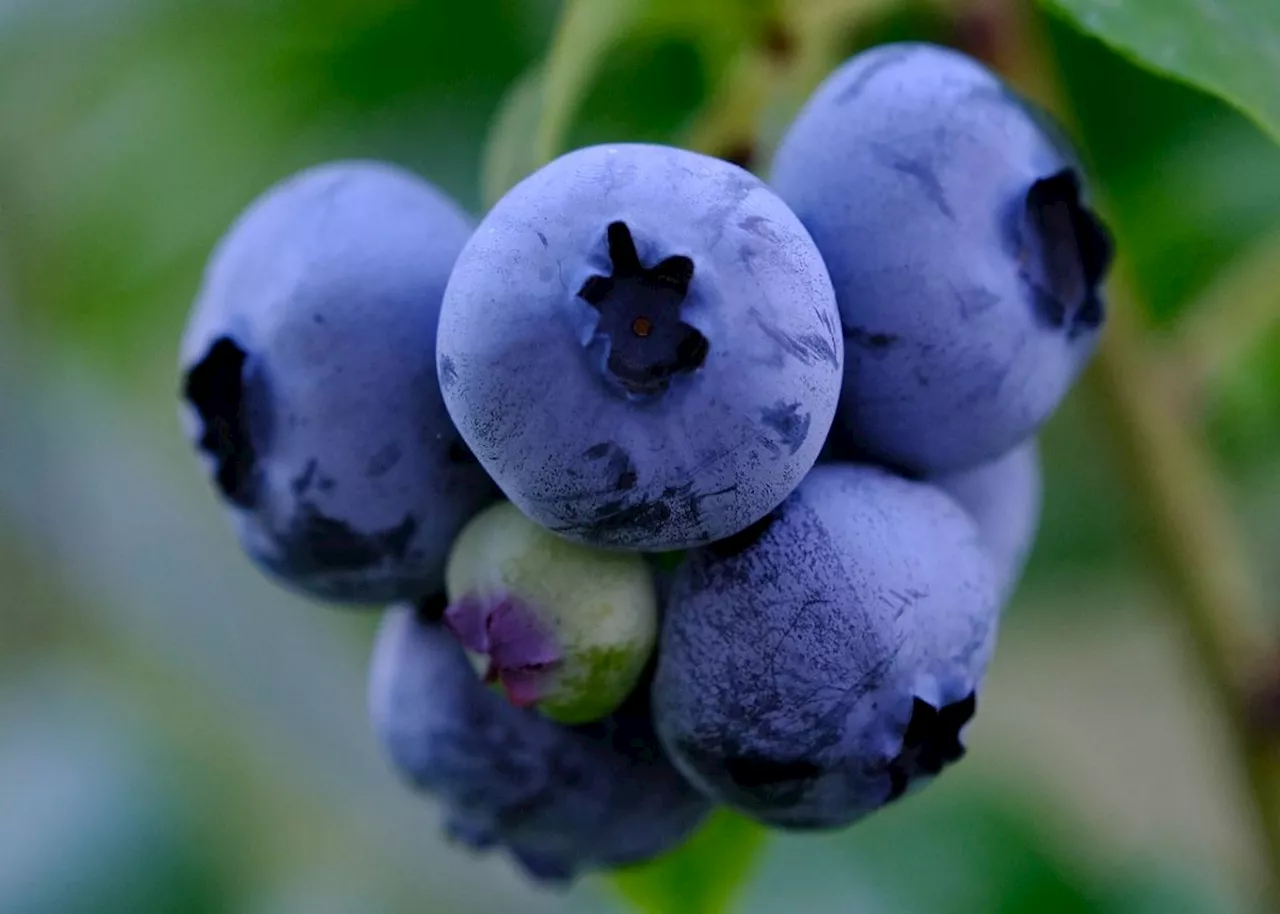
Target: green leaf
{"points": [[701, 877], [508, 152], [534, 123], [955, 847], [649, 91], [538, 111], [1165, 887], [1228, 47], [588, 29], [645, 89]]}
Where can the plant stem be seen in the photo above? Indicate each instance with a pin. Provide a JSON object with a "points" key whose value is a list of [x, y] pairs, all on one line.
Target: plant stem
{"points": [[1198, 546], [1233, 315]]}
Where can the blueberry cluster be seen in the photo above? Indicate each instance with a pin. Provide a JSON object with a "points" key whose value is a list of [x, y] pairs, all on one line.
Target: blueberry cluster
{"points": [[688, 489]]}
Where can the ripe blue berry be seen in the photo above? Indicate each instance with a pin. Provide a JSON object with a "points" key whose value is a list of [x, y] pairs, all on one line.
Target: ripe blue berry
{"points": [[816, 666], [310, 390], [1003, 497], [561, 799], [561, 626], [965, 261], [642, 347]]}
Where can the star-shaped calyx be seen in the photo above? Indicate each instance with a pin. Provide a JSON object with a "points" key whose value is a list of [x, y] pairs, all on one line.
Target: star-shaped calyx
{"points": [[932, 741], [1065, 252], [647, 342], [521, 653], [215, 388]]}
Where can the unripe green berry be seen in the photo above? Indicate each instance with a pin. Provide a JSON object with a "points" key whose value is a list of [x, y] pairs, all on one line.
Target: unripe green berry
{"points": [[560, 626]]}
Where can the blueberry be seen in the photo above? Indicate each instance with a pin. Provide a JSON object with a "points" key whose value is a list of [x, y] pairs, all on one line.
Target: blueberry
{"points": [[560, 626], [1003, 497], [562, 799], [309, 383], [813, 669], [965, 261], [642, 347]]}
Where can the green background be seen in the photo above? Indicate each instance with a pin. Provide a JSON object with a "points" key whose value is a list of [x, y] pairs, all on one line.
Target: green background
{"points": [[178, 735]]}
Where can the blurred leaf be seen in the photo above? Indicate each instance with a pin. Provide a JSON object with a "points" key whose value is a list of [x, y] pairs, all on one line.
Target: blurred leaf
{"points": [[588, 30], [509, 153], [1241, 305], [1005, 861], [954, 848], [1166, 889], [1087, 525], [1229, 47], [1244, 418], [641, 91], [647, 91], [702, 876], [589, 33], [1191, 182]]}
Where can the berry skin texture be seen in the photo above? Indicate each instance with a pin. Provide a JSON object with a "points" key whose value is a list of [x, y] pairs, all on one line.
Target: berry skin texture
{"points": [[641, 346], [309, 384], [562, 799], [1004, 498], [562, 627], [822, 663], [966, 264]]}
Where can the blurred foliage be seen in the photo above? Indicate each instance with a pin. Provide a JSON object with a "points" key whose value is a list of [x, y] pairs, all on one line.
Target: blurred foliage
{"points": [[97, 816], [177, 736], [135, 130]]}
